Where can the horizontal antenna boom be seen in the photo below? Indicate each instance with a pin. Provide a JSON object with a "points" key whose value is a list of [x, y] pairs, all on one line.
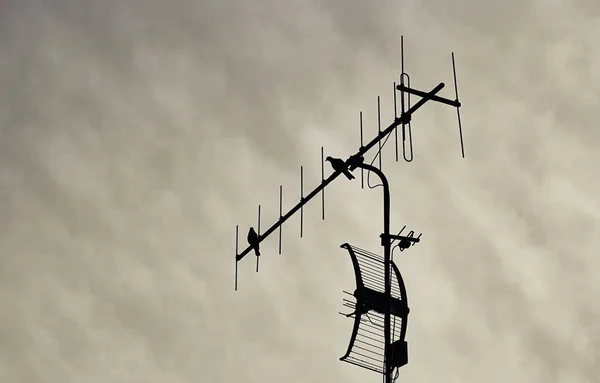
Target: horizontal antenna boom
{"points": [[398, 121]]}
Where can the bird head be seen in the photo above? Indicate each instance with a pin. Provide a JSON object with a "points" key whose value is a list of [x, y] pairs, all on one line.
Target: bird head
{"points": [[328, 158]]}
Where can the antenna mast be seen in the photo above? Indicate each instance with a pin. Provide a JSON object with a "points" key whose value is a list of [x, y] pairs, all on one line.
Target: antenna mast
{"points": [[380, 295]]}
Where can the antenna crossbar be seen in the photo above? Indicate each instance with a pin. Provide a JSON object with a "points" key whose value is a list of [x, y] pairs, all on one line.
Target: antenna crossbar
{"points": [[455, 103]]}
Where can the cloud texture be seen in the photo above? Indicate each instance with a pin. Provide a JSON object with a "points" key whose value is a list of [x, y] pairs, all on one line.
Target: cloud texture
{"points": [[135, 135]]}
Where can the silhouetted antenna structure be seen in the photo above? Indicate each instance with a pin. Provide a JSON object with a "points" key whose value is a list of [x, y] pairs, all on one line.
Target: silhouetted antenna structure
{"points": [[380, 304], [404, 242], [367, 341]]}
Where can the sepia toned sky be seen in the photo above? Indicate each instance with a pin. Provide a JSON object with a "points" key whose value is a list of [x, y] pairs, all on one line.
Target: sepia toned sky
{"points": [[135, 135]]}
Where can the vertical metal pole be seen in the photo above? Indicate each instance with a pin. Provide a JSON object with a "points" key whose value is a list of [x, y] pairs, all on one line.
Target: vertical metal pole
{"points": [[257, 257], [462, 144], [388, 286], [236, 254], [395, 118], [322, 181], [280, 212], [385, 242], [301, 199], [362, 173], [379, 127]]}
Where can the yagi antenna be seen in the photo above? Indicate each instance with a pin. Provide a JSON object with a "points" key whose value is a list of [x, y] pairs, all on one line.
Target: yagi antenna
{"points": [[359, 156], [401, 119]]}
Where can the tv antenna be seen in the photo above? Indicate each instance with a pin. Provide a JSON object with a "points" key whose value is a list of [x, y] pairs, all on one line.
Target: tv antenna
{"points": [[380, 304]]}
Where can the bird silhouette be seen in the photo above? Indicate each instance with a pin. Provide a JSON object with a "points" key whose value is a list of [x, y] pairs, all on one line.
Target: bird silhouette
{"points": [[253, 241], [339, 166]]}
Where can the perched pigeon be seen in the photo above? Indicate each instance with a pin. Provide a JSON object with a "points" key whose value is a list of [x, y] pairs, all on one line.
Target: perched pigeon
{"points": [[339, 166], [253, 241]]}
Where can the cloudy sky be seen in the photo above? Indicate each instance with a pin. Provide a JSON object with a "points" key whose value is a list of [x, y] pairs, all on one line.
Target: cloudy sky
{"points": [[135, 135]]}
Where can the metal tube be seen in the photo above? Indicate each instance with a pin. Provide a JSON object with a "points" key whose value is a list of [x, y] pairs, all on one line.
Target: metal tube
{"points": [[385, 242]]}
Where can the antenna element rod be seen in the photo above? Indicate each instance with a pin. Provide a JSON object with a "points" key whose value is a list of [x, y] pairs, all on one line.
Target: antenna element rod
{"points": [[301, 199], [280, 210], [236, 257], [322, 182]]}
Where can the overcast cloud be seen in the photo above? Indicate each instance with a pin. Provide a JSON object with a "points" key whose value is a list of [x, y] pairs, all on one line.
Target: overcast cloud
{"points": [[135, 135]]}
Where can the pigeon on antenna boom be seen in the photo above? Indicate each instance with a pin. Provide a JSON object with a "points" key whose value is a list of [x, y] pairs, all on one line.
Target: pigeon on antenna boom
{"points": [[253, 240], [339, 166]]}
